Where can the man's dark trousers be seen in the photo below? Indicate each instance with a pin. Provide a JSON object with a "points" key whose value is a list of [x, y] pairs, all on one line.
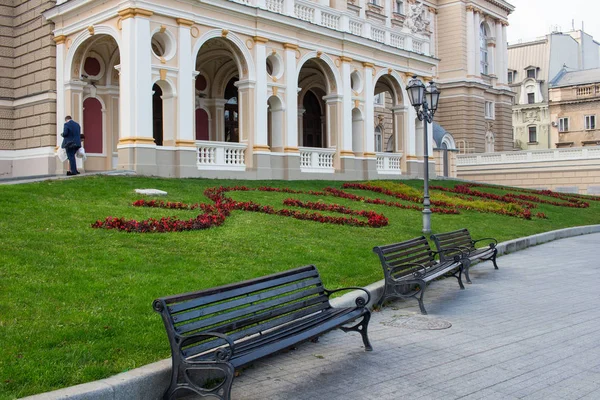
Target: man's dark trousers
{"points": [[71, 156]]}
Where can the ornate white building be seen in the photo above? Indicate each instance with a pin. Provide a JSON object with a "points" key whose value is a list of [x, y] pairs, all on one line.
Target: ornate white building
{"points": [[259, 89]]}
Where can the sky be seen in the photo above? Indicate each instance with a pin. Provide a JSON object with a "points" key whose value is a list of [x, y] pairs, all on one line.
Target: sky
{"points": [[534, 18]]}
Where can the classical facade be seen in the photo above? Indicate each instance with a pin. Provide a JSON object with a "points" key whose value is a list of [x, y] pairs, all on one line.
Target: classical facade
{"points": [[258, 89], [574, 108], [532, 65], [476, 100]]}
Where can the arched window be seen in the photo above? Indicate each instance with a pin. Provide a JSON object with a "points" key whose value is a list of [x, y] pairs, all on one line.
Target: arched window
{"points": [[378, 139], [483, 36]]}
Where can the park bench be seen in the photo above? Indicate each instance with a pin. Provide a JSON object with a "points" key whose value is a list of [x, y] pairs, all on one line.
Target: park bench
{"points": [[215, 331], [408, 267], [461, 240]]}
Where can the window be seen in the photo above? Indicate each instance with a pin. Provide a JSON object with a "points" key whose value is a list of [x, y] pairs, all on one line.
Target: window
{"points": [[530, 98], [399, 7], [531, 73], [489, 109], [378, 140], [511, 76], [590, 122], [379, 99], [483, 49], [532, 134], [563, 124]]}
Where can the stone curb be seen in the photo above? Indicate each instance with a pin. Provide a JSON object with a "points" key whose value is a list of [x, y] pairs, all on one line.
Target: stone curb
{"points": [[150, 381]]}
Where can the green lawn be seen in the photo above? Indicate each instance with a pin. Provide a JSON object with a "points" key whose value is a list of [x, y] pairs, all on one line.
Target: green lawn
{"points": [[76, 301]]}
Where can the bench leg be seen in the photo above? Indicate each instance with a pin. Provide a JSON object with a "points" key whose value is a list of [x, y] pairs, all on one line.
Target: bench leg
{"points": [[221, 391], [459, 277], [361, 328], [466, 265], [494, 258], [422, 287]]}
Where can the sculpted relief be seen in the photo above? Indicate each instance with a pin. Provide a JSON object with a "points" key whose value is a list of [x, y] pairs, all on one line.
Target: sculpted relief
{"points": [[416, 19]]}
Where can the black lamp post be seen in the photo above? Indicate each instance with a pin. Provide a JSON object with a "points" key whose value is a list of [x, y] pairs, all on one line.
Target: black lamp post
{"points": [[425, 102]]}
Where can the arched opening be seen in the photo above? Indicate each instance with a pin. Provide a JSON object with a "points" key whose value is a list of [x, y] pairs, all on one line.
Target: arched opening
{"points": [[358, 136], [389, 115], [93, 126], [91, 97], [317, 112], [312, 121], [201, 124], [157, 115], [275, 121], [216, 90]]}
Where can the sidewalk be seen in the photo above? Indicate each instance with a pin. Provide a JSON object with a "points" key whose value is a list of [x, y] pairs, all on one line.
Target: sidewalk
{"points": [[529, 330]]}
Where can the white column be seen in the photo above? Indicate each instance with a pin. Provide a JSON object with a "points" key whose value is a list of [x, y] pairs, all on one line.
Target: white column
{"points": [[500, 72], [504, 55], [411, 143], [60, 87], [260, 94], [185, 86], [346, 136], [369, 91], [470, 42], [477, 27], [291, 98], [136, 79]]}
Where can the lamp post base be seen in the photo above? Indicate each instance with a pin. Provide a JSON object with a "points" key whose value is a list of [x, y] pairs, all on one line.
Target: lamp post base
{"points": [[427, 221]]}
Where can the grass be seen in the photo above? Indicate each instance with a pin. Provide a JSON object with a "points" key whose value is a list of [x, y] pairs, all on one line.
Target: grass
{"points": [[76, 301]]}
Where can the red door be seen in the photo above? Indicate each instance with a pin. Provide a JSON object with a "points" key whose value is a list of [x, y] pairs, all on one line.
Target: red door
{"points": [[201, 124], [92, 125]]}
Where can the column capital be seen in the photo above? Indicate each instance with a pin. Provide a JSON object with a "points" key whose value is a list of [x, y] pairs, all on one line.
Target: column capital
{"points": [[184, 22], [60, 39], [470, 8], [260, 39], [368, 65], [290, 46], [134, 12], [345, 59]]}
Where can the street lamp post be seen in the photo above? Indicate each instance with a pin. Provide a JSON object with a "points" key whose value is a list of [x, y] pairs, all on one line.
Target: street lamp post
{"points": [[425, 101]]}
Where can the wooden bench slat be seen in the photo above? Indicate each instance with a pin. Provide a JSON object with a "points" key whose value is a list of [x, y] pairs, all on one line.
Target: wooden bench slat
{"points": [[204, 297], [237, 302], [249, 318]]}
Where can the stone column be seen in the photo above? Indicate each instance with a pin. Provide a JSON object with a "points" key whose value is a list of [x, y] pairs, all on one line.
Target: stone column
{"points": [[500, 72], [291, 99], [260, 98], [504, 56], [136, 145], [218, 130], [369, 91], [247, 110], [185, 86], [477, 26], [470, 42], [345, 137]]}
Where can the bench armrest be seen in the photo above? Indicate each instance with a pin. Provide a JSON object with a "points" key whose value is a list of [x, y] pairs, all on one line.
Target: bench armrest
{"points": [[223, 354], [492, 245], [463, 252], [360, 302], [417, 274]]}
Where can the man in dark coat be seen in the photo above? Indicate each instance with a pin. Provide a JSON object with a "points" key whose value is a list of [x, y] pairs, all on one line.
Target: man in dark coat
{"points": [[71, 142]]}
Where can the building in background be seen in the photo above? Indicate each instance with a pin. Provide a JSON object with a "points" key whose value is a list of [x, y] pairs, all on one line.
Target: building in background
{"points": [[256, 89], [475, 105], [531, 67], [574, 108]]}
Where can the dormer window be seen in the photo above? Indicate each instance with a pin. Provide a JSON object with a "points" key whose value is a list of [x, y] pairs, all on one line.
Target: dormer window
{"points": [[512, 76], [531, 73]]}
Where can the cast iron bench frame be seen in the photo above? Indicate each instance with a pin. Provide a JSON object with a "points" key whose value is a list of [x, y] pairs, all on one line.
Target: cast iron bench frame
{"points": [[411, 263], [224, 328], [461, 239]]}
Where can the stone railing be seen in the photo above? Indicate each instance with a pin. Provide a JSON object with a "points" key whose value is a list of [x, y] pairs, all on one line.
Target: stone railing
{"points": [[331, 18], [389, 163], [316, 160], [221, 155], [576, 153]]}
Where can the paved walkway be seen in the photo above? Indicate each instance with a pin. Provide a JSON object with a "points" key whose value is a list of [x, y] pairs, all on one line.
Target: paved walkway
{"points": [[530, 330]]}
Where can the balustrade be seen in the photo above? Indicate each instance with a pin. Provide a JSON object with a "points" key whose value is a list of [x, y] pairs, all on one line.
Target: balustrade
{"points": [[389, 163], [580, 153], [221, 155], [316, 159]]}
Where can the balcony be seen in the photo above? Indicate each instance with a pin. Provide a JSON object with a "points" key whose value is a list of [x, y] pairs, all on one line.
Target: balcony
{"points": [[373, 28], [316, 160], [222, 156]]}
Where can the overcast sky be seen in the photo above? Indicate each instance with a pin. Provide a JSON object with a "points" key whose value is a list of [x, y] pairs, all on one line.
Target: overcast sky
{"points": [[533, 18]]}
